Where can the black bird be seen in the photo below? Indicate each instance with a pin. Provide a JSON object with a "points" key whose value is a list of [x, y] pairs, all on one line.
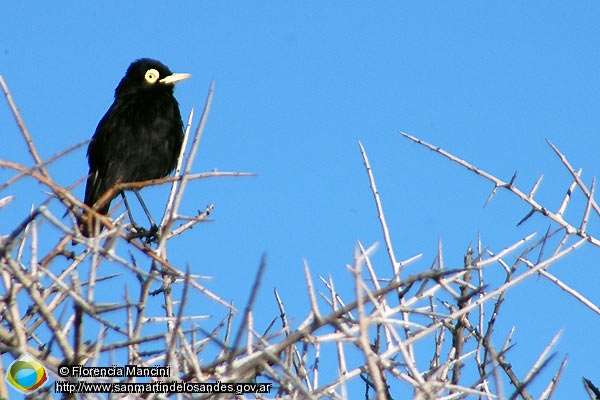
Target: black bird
{"points": [[139, 137]]}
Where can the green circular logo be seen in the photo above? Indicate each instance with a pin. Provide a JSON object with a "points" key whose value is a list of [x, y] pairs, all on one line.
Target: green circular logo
{"points": [[26, 374]]}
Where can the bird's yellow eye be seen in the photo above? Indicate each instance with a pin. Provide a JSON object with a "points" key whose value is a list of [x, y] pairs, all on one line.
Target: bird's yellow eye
{"points": [[151, 76]]}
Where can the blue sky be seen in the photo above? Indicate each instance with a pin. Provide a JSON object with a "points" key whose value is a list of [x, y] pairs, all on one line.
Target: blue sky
{"points": [[297, 84]]}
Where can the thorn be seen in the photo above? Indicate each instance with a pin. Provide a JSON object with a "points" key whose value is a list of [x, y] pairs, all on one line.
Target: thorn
{"points": [[512, 180], [490, 196], [525, 218]]}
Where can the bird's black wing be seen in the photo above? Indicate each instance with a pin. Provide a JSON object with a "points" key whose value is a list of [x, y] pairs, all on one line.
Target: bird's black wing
{"points": [[137, 139]]}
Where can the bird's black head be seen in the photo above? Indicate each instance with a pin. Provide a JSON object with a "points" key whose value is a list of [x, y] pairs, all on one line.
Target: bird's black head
{"points": [[148, 74]]}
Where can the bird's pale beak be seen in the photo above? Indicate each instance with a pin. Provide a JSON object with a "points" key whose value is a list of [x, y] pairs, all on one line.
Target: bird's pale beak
{"points": [[174, 78]]}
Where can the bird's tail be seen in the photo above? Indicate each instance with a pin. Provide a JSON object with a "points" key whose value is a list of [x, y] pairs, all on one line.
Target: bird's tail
{"points": [[89, 224]]}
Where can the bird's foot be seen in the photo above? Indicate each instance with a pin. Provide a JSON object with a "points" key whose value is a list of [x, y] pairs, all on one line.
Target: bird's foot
{"points": [[150, 236]]}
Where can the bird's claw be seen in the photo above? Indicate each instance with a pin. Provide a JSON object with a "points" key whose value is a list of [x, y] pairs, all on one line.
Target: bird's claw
{"points": [[151, 235]]}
